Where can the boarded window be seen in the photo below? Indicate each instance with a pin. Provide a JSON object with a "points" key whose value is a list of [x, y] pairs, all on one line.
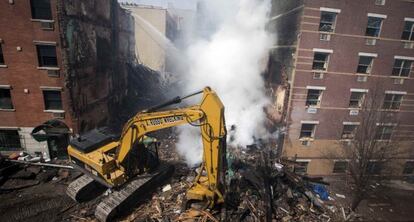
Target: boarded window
{"points": [[401, 68], [1, 56], [301, 167], [320, 61], [307, 131], [5, 99], [340, 166], [374, 26], [408, 32], [9, 140], [365, 64], [46, 55], [327, 23], [41, 9], [314, 97], [52, 99], [408, 167], [348, 131], [392, 101]]}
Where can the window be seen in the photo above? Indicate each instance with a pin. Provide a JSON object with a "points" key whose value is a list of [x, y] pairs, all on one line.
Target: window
{"points": [[327, 23], [374, 26], [374, 167], [384, 132], [301, 167], [379, 2], [348, 131], [46, 55], [41, 9], [409, 167], [307, 131], [9, 140], [314, 97], [365, 64], [340, 167], [357, 99], [408, 32], [320, 61], [401, 68], [52, 99], [5, 99], [1, 56], [392, 101]]}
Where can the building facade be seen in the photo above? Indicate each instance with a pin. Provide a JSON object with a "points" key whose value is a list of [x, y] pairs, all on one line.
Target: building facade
{"points": [[335, 53], [60, 60]]}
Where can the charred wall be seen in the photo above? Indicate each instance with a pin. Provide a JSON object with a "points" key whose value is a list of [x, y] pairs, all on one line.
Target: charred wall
{"points": [[97, 43]]}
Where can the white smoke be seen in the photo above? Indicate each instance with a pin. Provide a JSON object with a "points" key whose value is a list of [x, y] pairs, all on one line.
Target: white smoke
{"points": [[230, 61]]}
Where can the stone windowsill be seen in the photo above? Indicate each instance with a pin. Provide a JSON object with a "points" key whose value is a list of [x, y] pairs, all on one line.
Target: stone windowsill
{"points": [[53, 111], [3, 66], [8, 110], [307, 139], [41, 20], [48, 68]]}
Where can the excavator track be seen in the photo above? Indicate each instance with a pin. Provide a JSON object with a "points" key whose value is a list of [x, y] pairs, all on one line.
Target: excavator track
{"points": [[128, 196], [84, 188]]}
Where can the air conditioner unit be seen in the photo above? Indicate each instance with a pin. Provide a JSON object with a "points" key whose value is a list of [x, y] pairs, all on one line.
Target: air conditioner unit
{"points": [[362, 78], [46, 25], [312, 110], [353, 112], [380, 2], [306, 142], [408, 45], [318, 75], [59, 115], [398, 81], [325, 36], [53, 73], [370, 41]]}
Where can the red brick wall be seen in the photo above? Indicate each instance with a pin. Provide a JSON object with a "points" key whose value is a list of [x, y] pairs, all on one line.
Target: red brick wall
{"points": [[17, 29]]}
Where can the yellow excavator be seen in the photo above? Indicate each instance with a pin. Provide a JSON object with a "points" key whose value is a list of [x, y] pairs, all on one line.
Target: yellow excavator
{"points": [[128, 164]]}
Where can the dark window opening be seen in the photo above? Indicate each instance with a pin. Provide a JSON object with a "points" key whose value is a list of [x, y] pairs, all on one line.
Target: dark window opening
{"points": [[52, 100], [356, 100], [1, 56], [307, 131], [5, 99], [9, 140], [364, 64], [408, 32], [301, 167], [374, 167], [41, 9], [340, 167], [409, 167], [46, 55], [384, 132], [401, 68], [320, 61], [314, 97], [348, 131], [373, 27], [392, 101], [327, 23]]}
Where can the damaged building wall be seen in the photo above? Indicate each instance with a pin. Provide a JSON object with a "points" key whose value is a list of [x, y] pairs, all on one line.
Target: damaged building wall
{"points": [[97, 43]]}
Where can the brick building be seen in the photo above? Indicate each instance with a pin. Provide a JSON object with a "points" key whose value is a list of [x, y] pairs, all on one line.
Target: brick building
{"points": [[333, 54], [63, 59]]}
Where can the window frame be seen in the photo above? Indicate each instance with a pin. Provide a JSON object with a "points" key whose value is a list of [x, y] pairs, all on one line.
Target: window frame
{"points": [[333, 24], [380, 136], [368, 67], [360, 101], [411, 168], [4, 136], [41, 59], [401, 68], [2, 60], [41, 17], [379, 28], [300, 167], [312, 131], [45, 103], [392, 104], [335, 170], [325, 62], [318, 101], [374, 166], [410, 32], [11, 105], [352, 132]]}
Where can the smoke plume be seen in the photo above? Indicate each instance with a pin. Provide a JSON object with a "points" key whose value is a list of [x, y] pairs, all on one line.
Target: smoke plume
{"points": [[229, 54]]}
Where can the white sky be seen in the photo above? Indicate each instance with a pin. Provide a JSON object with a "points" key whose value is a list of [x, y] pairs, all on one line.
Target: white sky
{"points": [[181, 4]]}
